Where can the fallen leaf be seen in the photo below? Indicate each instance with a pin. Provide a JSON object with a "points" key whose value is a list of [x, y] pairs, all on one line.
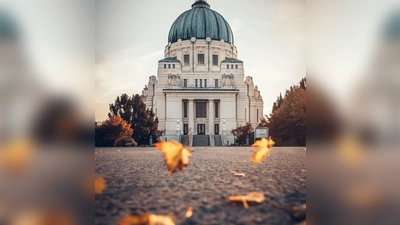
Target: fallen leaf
{"points": [[350, 150], [255, 197], [176, 155], [264, 146], [238, 174], [15, 155], [189, 212], [99, 184], [146, 219], [296, 212], [48, 217]]}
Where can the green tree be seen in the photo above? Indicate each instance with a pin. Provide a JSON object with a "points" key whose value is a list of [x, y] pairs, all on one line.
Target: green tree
{"points": [[143, 121], [110, 130]]}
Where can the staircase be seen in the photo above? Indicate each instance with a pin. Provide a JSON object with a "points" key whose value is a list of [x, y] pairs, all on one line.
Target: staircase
{"points": [[201, 140], [185, 140], [218, 140]]}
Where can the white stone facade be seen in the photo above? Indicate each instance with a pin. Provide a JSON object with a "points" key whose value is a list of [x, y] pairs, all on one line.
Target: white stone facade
{"points": [[200, 84], [237, 98]]}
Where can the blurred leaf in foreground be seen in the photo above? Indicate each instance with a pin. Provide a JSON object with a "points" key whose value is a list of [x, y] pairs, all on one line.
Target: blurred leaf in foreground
{"points": [[152, 219], [43, 218], [176, 155], [15, 155], [99, 184], [146, 219], [264, 146], [255, 197]]}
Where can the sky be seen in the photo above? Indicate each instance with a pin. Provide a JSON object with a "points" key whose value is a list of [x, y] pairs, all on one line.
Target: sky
{"points": [[131, 37]]}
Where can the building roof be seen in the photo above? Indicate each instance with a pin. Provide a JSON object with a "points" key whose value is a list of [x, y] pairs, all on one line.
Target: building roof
{"points": [[231, 60], [200, 22], [169, 60]]}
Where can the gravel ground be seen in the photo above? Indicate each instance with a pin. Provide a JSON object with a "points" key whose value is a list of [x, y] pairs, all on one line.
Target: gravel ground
{"points": [[137, 182]]}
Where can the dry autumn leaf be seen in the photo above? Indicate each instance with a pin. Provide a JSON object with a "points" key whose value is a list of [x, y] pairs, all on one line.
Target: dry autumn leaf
{"points": [[255, 197], [99, 184], [237, 174], [43, 218], [189, 212], [176, 155], [16, 154], [264, 146], [146, 219]]}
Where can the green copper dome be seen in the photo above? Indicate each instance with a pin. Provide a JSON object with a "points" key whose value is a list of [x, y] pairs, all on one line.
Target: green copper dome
{"points": [[200, 22]]}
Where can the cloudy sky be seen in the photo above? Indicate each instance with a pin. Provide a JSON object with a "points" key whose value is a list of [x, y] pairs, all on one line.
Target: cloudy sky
{"points": [[131, 36]]}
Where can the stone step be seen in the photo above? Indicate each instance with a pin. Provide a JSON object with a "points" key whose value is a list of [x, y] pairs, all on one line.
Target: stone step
{"points": [[185, 140], [201, 140], [218, 140]]}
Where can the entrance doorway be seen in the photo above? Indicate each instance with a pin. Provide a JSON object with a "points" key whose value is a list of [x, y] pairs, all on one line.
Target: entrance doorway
{"points": [[201, 129], [216, 129]]}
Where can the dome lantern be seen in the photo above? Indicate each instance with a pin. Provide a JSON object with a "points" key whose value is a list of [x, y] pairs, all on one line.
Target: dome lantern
{"points": [[200, 4]]}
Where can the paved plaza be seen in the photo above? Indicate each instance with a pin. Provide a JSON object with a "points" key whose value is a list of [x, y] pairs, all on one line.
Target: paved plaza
{"points": [[137, 182]]}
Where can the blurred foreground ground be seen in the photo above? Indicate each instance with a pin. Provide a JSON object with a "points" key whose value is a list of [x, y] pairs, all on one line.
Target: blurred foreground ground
{"points": [[137, 182]]}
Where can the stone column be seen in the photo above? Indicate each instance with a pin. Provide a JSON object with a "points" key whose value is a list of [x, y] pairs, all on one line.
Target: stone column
{"points": [[210, 116], [191, 115]]}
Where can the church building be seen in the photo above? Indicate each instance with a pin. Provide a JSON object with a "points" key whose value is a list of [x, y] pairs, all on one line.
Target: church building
{"points": [[200, 92]]}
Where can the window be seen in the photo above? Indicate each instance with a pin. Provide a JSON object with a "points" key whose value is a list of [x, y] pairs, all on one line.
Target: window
{"points": [[186, 60], [184, 109], [201, 82], [227, 66], [205, 82], [195, 82], [236, 66], [215, 60], [165, 66], [201, 110], [184, 82], [200, 58], [216, 82], [257, 115], [169, 66], [231, 66], [173, 66], [216, 109]]}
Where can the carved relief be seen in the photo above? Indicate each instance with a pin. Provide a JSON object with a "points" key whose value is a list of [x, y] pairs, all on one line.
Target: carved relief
{"points": [[174, 81], [228, 81]]}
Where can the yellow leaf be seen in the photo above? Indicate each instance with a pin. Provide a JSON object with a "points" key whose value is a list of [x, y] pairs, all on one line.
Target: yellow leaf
{"points": [[99, 184], [48, 217], [16, 154], [256, 197], [189, 212], [176, 155], [264, 146], [146, 219]]}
